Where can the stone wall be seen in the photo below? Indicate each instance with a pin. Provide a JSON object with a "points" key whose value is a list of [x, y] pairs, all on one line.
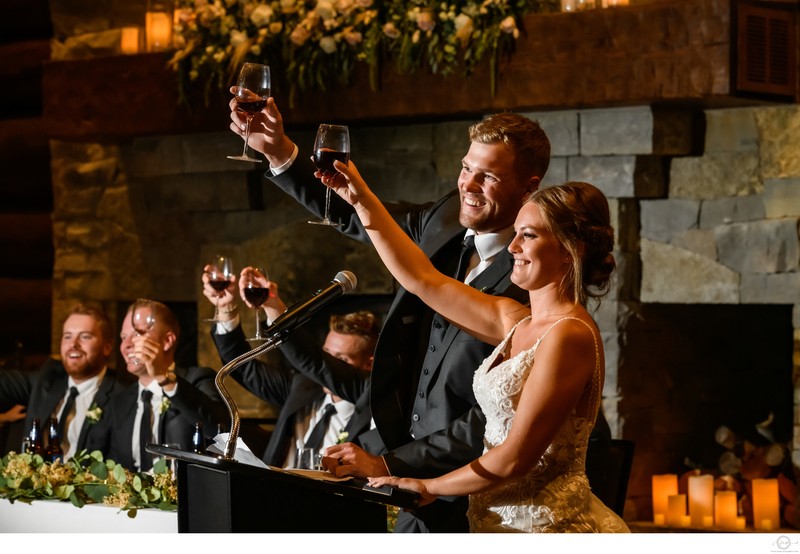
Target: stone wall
{"points": [[714, 224]]}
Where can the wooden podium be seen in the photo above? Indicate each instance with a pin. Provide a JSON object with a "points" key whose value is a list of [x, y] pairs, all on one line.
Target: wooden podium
{"points": [[216, 495]]}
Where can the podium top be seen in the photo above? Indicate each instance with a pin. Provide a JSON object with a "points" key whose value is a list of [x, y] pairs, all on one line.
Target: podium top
{"points": [[355, 487]]}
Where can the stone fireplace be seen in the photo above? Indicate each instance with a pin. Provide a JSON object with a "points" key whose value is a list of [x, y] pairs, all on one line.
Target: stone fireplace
{"points": [[701, 328]]}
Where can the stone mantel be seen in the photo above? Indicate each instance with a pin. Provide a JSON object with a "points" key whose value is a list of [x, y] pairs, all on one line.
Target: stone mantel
{"points": [[670, 52]]}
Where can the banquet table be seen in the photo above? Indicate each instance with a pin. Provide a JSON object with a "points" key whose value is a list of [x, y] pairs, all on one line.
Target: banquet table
{"points": [[53, 516]]}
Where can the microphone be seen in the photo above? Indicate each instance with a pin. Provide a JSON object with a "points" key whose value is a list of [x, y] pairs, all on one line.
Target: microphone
{"points": [[300, 312]]}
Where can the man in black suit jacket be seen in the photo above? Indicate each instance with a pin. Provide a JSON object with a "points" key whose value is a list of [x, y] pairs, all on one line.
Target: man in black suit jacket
{"points": [[303, 391], [87, 340], [421, 398], [179, 397]]}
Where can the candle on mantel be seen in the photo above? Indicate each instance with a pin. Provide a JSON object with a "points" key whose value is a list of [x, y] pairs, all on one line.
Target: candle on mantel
{"points": [[701, 500], [676, 511], [158, 31], [129, 41], [725, 510], [766, 510], [664, 486]]}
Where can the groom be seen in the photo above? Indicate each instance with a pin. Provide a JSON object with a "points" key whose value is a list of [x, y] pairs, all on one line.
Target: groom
{"points": [[421, 398]]}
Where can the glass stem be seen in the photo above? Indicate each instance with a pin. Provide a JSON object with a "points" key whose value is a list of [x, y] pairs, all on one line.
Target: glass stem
{"points": [[327, 203], [246, 135], [258, 328]]}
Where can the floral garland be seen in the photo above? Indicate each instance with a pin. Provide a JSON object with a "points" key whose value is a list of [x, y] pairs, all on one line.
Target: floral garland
{"points": [[86, 479], [319, 42]]}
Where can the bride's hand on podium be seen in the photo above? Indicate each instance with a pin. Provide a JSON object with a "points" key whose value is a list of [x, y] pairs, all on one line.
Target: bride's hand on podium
{"points": [[418, 486]]}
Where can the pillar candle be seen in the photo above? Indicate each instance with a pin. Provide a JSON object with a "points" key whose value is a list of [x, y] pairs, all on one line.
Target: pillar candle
{"points": [[129, 41], [765, 503], [676, 510], [701, 498], [663, 487], [725, 510]]}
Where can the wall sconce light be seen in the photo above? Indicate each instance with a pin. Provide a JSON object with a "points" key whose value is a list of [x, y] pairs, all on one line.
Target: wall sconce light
{"points": [[130, 40], [158, 21]]}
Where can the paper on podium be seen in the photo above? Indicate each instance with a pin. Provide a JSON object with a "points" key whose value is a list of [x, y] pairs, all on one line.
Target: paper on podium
{"points": [[242, 453], [320, 475]]}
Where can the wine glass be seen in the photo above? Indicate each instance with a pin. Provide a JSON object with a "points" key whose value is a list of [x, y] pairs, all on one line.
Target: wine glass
{"points": [[255, 294], [332, 143], [252, 91], [220, 277], [143, 319]]}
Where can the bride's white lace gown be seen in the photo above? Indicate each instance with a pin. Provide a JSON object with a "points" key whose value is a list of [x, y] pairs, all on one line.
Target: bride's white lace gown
{"points": [[554, 496]]}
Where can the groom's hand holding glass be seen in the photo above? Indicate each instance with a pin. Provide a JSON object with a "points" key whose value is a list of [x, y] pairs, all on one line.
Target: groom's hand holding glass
{"points": [[266, 131]]}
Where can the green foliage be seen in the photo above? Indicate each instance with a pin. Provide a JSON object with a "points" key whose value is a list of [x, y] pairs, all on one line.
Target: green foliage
{"points": [[86, 479]]}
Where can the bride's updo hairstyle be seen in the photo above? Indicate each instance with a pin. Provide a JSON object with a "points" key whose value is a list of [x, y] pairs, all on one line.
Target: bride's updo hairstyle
{"points": [[577, 215]]}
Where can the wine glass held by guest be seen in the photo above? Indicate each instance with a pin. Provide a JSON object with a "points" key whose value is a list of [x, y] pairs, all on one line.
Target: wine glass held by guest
{"points": [[251, 93], [142, 319], [531, 475], [222, 279], [254, 289], [332, 143]]}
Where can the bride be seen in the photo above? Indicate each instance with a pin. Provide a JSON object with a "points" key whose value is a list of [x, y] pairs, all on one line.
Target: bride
{"points": [[540, 388]]}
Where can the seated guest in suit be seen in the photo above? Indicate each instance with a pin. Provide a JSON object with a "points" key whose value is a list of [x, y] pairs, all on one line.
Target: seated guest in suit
{"points": [[163, 406], [336, 375], [75, 389], [11, 421]]}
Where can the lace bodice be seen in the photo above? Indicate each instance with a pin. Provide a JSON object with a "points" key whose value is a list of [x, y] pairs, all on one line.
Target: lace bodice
{"points": [[554, 495]]}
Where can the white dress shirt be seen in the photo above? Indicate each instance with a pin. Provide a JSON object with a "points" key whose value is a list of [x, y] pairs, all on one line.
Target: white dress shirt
{"points": [[155, 406], [487, 247], [306, 419], [86, 391]]}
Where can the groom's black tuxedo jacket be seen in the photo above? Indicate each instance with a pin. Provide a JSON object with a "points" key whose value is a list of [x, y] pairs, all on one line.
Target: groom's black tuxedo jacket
{"points": [[294, 390], [421, 398], [196, 399], [41, 391]]}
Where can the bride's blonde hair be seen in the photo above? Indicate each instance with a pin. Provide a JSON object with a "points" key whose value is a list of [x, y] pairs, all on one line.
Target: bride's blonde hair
{"points": [[577, 215]]}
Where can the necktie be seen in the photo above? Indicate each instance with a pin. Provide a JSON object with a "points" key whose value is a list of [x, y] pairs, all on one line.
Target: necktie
{"points": [[467, 249], [145, 430], [66, 412], [318, 433]]}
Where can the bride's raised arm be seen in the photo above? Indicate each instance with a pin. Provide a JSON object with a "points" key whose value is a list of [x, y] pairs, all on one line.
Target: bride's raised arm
{"points": [[486, 317]]}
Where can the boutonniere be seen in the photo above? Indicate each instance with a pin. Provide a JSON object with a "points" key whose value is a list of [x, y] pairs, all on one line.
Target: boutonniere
{"points": [[342, 437], [94, 413], [164, 406]]}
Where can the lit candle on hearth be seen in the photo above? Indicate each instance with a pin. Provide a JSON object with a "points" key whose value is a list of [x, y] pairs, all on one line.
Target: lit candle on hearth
{"points": [[701, 499], [676, 510], [766, 511], [725, 510], [664, 486]]}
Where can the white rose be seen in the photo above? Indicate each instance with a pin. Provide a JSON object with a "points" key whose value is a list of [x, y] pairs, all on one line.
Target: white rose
{"points": [[328, 45], [325, 9], [288, 6], [352, 38], [261, 15], [463, 24], [238, 37], [425, 21], [344, 5]]}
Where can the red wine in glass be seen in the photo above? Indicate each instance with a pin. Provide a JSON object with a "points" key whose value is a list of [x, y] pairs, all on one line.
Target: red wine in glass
{"points": [[324, 158], [256, 295], [219, 285], [220, 277], [251, 107]]}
